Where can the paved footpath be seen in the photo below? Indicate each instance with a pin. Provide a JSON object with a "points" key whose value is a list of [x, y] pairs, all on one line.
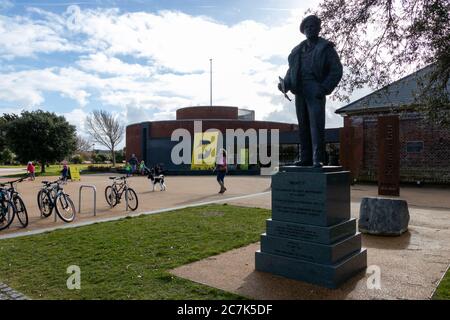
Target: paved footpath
{"points": [[7, 293]]}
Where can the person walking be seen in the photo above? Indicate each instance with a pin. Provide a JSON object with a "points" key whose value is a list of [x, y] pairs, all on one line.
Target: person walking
{"points": [[222, 169], [31, 171]]}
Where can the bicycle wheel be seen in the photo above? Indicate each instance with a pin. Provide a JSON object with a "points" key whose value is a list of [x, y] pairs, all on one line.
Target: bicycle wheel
{"points": [[111, 196], [45, 203], [65, 207], [7, 212], [132, 199], [21, 211], [38, 198]]}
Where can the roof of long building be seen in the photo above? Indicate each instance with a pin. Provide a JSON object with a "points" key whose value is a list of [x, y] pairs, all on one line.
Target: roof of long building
{"points": [[403, 92]]}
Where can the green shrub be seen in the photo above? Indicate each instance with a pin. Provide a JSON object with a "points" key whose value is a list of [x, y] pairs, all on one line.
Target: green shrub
{"points": [[77, 159]]}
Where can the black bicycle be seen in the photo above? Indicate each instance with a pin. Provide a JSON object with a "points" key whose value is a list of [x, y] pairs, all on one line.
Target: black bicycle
{"points": [[114, 192], [52, 196], [19, 206], [7, 209]]}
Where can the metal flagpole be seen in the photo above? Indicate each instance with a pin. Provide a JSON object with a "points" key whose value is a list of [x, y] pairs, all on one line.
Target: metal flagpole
{"points": [[210, 92]]}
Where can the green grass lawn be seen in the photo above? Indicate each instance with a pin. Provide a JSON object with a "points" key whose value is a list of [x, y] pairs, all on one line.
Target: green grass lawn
{"points": [[443, 290], [54, 169], [129, 258]]}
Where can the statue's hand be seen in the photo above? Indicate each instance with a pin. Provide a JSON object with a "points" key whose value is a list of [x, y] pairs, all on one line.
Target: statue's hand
{"points": [[279, 87]]}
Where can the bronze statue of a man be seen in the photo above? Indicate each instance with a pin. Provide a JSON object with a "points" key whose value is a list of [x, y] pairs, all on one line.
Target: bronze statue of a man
{"points": [[314, 72]]}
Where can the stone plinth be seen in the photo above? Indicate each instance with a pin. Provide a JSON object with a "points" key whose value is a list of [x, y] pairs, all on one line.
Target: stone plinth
{"points": [[311, 236]]}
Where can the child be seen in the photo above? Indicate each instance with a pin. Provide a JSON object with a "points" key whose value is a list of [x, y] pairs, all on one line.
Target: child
{"points": [[142, 168], [128, 169], [31, 170]]}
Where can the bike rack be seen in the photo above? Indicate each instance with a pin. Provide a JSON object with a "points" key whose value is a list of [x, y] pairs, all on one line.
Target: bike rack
{"points": [[95, 197]]}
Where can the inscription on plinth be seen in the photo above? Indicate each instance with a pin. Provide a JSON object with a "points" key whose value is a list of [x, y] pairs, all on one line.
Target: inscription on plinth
{"points": [[309, 251], [321, 199], [323, 235]]}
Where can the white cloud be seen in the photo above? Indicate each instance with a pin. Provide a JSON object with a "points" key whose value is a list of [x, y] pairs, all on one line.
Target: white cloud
{"points": [[101, 63], [77, 118], [170, 69], [23, 37], [28, 87]]}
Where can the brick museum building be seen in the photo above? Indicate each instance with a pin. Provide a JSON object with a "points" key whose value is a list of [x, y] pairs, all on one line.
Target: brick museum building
{"points": [[423, 147], [151, 140]]}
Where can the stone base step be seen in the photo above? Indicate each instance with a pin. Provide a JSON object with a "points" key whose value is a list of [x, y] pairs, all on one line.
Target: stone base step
{"points": [[330, 276]]}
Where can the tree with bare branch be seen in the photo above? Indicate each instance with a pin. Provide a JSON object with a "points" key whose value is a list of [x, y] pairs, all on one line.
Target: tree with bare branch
{"points": [[105, 129], [380, 40], [83, 144]]}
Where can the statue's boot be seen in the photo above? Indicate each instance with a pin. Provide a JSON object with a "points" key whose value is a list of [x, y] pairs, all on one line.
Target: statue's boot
{"points": [[303, 163], [317, 165]]}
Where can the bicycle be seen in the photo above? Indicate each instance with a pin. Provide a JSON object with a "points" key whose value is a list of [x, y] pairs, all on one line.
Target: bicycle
{"points": [[114, 192], [7, 210], [19, 207], [52, 196]]}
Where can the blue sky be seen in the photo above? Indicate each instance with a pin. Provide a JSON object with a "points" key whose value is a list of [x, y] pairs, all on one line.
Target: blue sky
{"points": [[143, 59]]}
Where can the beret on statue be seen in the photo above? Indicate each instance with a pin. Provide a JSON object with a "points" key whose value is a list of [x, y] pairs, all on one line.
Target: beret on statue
{"points": [[311, 17]]}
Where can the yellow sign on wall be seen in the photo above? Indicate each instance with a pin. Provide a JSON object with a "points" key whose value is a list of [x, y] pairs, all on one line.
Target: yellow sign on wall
{"points": [[74, 174], [244, 159], [204, 150]]}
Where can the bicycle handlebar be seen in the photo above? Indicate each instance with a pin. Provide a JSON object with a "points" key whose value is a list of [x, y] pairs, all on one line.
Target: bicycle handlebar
{"points": [[118, 178], [47, 183], [12, 182]]}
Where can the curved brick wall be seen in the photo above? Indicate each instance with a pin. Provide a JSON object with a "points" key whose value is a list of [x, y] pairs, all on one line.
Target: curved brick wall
{"points": [[164, 129], [201, 113]]}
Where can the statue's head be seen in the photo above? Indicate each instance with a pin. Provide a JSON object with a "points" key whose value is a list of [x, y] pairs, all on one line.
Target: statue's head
{"points": [[310, 26]]}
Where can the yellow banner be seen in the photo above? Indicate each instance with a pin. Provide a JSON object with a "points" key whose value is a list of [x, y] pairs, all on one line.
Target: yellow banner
{"points": [[204, 150], [74, 173]]}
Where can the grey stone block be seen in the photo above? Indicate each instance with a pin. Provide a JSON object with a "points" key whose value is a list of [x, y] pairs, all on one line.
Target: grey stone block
{"points": [[382, 216], [309, 251], [330, 276], [314, 198], [305, 232]]}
